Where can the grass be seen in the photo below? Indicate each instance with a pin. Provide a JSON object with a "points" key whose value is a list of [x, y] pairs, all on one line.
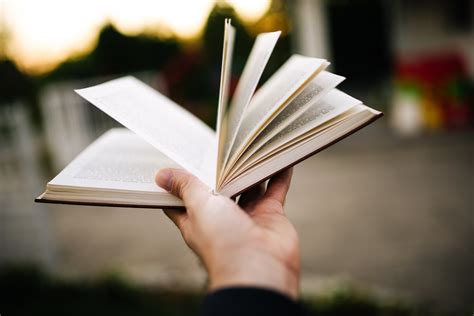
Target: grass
{"points": [[26, 290]]}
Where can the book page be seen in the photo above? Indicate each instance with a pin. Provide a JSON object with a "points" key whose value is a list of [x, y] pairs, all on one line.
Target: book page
{"points": [[260, 157], [249, 79], [335, 103], [316, 89], [271, 99], [168, 127], [118, 160], [359, 116], [226, 68]]}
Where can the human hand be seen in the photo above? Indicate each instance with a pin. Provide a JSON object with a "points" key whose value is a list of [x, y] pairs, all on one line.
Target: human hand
{"points": [[253, 244]]}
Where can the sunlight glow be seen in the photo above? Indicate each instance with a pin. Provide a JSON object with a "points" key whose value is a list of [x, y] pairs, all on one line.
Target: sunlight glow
{"points": [[44, 33], [134, 17], [250, 10], [48, 31]]}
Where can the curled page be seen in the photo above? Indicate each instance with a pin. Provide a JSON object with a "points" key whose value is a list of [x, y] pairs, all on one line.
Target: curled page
{"points": [[221, 128], [271, 99], [161, 122], [253, 70], [314, 91], [335, 103]]}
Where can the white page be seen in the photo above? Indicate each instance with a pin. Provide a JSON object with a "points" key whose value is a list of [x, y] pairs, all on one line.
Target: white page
{"points": [[272, 97], [333, 104], [226, 69], [258, 59], [360, 114], [161, 122], [118, 160], [266, 153], [315, 91]]}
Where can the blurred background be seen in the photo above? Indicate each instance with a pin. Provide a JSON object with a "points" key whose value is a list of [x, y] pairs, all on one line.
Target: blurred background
{"points": [[385, 217]]}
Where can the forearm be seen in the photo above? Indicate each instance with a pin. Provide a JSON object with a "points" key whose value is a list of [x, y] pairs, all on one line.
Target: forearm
{"points": [[253, 269], [249, 301]]}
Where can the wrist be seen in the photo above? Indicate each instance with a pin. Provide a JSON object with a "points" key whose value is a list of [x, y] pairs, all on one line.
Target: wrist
{"points": [[255, 269]]}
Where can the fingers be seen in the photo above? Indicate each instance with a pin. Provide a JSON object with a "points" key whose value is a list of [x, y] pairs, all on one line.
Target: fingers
{"points": [[177, 216], [279, 185], [184, 185], [251, 195]]}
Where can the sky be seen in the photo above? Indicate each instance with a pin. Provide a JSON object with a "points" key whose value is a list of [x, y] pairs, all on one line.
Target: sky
{"points": [[43, 33]]}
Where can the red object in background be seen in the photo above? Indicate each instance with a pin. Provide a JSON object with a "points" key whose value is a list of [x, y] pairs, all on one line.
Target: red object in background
{"points": [[442, 78], [457, 114], [431, 69]]}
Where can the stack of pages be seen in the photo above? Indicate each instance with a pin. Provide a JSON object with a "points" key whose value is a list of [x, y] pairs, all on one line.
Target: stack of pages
{"points": [[293, 115]]}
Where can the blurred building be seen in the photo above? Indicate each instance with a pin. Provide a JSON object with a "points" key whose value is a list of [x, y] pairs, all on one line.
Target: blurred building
{"points": [[425, 49]]}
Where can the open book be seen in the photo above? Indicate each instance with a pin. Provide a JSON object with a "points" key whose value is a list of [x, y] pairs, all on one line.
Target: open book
{"points": [[294, 114]]}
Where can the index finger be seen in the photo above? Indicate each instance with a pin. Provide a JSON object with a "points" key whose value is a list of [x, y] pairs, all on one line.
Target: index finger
{"points": [[279, 185]]}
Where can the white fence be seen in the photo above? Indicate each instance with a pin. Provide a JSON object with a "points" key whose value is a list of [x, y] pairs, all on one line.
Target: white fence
{"points": [[25, 228], [70, 123]]}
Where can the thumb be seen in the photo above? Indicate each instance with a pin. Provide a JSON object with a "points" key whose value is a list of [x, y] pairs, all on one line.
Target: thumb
{"points": [[184, 185]]}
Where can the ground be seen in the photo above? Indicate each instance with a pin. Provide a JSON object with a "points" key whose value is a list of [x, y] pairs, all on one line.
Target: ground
{"points": [[386, 214]]}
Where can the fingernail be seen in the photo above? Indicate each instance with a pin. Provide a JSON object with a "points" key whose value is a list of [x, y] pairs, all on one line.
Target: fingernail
{"points": [[163, 178]]}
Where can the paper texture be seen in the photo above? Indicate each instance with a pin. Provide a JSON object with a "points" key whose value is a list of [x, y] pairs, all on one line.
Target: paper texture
{"points": [[161, 122], [249, 79], [361, 115], [332, 105], [271, 98], [314, 91], [226, 70], [119, 160]]}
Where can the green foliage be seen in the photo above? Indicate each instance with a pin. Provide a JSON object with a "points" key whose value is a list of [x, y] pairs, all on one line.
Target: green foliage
{"points": [[348, 301], [26, 290], [191, 72], [117, 54], [14, 84]]}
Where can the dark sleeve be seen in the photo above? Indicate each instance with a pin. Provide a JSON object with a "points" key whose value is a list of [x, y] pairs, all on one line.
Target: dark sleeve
{"points": [[249, 301]]}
